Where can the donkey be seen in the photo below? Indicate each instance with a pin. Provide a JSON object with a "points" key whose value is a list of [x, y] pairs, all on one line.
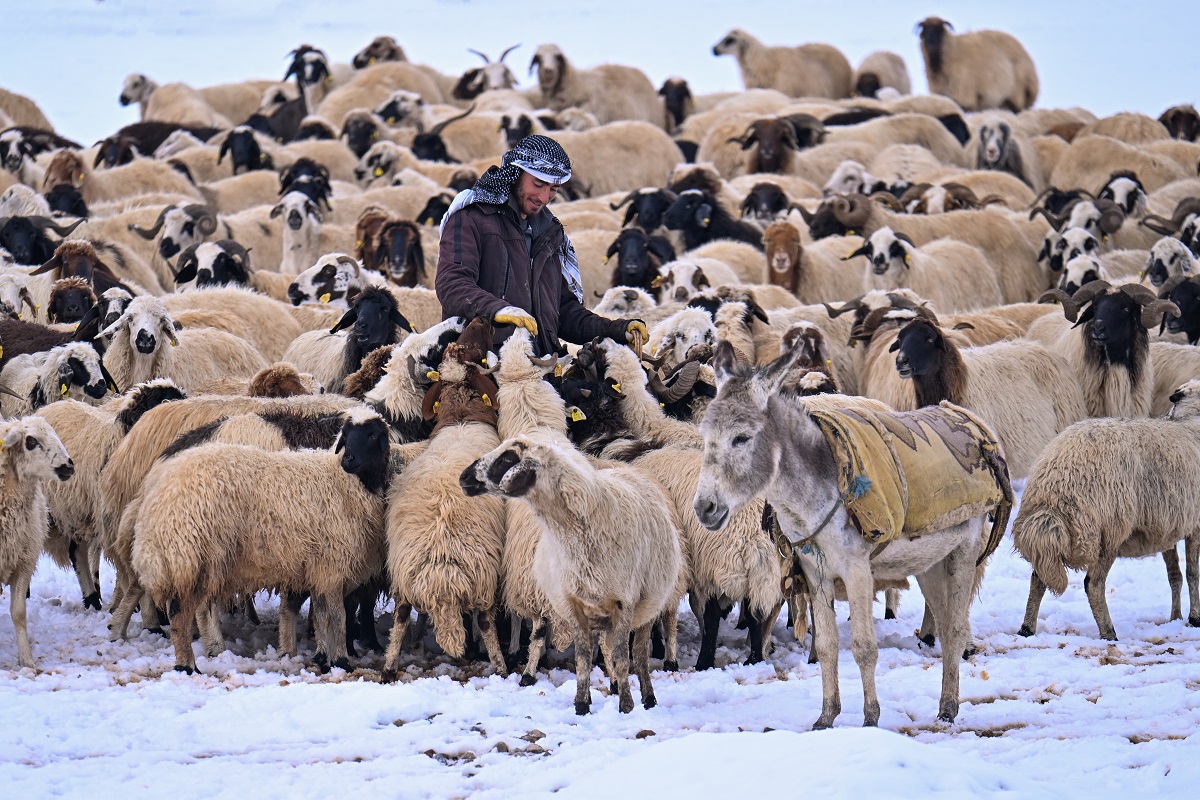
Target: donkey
{"points": [[759, 440]]}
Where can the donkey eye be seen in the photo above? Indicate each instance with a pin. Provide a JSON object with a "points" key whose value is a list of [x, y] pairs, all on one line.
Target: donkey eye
{"points": [[740, 440]]}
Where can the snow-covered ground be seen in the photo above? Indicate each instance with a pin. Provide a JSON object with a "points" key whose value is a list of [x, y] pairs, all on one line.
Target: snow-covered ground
{"points": [[1062, 714]]}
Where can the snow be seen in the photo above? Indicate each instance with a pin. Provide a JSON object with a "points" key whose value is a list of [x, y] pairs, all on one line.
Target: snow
{"points": [[1061, 714]]}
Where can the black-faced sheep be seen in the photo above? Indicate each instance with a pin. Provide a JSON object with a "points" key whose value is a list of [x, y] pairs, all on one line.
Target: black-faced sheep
{"points": [[701, 218], [879, 70]]}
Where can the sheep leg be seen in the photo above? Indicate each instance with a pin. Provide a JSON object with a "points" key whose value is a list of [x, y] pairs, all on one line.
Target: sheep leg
{"points": [[330, 615], [709, 624], [860, 590], [1191, 553], [618, 656], [124, 612], [486, 620], [755, 626], [181, 635], [1174, 580], [515, 626], [391, 659], [537, 646], [1094, 583], [891, 603], [670, 623], [209, 620], [825, 645], [89, 587], [289, 611], [1037, 590], [641, 666], [248, 608], [583, 669], [16, 609]]}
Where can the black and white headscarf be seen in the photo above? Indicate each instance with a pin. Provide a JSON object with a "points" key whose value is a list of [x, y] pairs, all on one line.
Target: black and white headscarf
{"points": [[544, 159]]}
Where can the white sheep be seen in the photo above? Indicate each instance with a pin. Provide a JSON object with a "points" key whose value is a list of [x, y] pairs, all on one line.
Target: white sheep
{"points": [[1107, 489], [611, 92], [31, 456], [73, 371], [146, 345], [20, 200], [302, 220], [271, 326], [978, 69], [808, 70], [813, 272], [677, 334], [608, 560], [680, 280], [954, 275], [334, 280], [203, 531]]}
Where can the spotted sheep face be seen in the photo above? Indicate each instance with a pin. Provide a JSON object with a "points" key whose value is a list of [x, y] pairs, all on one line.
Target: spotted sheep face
{"points": [[1080, 270], [1169, 256], [993, 144], [848, 178], [379, 161]]}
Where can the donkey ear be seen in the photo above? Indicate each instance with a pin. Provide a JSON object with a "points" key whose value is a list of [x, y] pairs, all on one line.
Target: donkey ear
{"points": [[725, 362], [768, 379]]}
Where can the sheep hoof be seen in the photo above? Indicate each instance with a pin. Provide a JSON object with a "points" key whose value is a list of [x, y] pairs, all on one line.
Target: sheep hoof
{"points": [[342, 663], [184, 668], [582, 708], [92, 601], [822, 724], [928, 641], [1025, 631], [889, 614], [321, 662], [528, 680], [650, 702], [388, 676], [671, 666], [1193, 622]]}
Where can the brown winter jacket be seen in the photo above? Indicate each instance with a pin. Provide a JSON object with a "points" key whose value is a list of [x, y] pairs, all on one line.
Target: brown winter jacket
{"points": [[484, 265]]}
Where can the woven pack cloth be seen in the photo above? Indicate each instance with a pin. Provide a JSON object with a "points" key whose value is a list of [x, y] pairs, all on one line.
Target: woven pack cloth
{"points": [[914, 472]]}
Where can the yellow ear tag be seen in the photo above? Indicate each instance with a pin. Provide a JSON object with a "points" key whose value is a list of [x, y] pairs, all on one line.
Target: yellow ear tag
{"points": [[1104, 238], [558, 370], [429, 221], [174, 342], [828, 362], [706, 221], [487, 401], [851, 233], [371, 61], [65, 389], [379, 172], [437, 405], [907, 258], [577, 415], [662, 405], [328, 79], [358, 244], [851, 254], [433, 375], [617, 388], [605, 261], [325, 298]]}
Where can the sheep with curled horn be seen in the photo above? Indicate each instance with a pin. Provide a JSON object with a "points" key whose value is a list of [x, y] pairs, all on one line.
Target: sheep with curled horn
{"points": [[26, 240], [491, 76], [1107, 343], [1125, 189], [1184, 223]]}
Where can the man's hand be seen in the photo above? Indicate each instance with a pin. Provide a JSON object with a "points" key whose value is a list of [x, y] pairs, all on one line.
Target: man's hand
{"points": [[636, 326], [511, 315]]}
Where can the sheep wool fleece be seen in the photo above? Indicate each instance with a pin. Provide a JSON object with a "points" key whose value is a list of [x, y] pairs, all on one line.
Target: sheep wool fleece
{"points": [[925, 470]]}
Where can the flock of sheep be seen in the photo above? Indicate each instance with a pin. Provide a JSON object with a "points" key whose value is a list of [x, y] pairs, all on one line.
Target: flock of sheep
{"points": [[224, 369]]}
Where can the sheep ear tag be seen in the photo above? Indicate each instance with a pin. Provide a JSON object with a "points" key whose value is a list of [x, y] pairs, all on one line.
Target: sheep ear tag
{"points": [[325, 298], [64, 389], [704, 215], [558, 370], [379, 172], [433, 375], [576, 414]]}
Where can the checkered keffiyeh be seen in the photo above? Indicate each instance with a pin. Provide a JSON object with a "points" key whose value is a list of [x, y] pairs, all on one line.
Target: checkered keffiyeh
{"points": [[541, 157]]}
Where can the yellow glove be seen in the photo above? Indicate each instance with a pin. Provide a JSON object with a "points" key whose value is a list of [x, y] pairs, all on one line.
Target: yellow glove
{"points": [[512, 315], [636, 326]]}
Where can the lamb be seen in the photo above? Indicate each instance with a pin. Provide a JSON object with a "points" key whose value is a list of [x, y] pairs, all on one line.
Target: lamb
{"points": [[202, 532], [1109, 351], [301, 231], [954, 275], [607, 562], [610, 91], [809, 70], [1107, 489], [140, 351], [978, 69], [446, 561], [72, 371], [32, 455], [878, 70], [91, 434], [986, 380], [373, 319]]}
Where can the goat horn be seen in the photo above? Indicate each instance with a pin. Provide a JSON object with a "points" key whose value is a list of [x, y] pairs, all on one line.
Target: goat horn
{"points": [[628, 197], [506, 52], [849, 305], [1167, 227], [805, 214], [545, 362], [44, 222], [441, 126], [486, 60], [1055, 222]]}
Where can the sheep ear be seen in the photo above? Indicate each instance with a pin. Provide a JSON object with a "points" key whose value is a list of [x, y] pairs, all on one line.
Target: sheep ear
{"points": [[277, 210], [704, 215], [341, 441], [865, 250], [13, 437], [429, 406], [400, 321], [37, 397], [895, 346], [348, 319]]}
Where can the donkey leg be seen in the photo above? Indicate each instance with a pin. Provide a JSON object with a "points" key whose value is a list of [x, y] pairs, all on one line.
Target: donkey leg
{"points": [[1174, 580], [891, 603], [950, 581], [825, 644], [860, 590]]}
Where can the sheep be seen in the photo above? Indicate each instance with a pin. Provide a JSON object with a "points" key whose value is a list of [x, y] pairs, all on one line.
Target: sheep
{"points": [[32, 456], [1110, 350], [118, 268], [1107, 489], [1184, 292], [19, 110], [701, 218], [851, 177], [20, 200], [220, 263], [373, 85], [271, 328], [610, 575], [69, 300], [145, 342], [954, 275], [1170, 258], [234, 101], [202, 533], [900, 129], [808, 70], [1081, 270], [812, 273], [244, 151], [611, 92], [91, 434], [618, 302], [446, 562], [640, 256], [334, 280], [620, 156], [1089, 161], [1002, 149], [373, 320], [1182, 122], [71, 370], [680, 332], [978, 69], [1174, 364], [16, 295], [880, 69], [399, 394], [25, 239], [301, 231], [986, 380], [493, 75]]}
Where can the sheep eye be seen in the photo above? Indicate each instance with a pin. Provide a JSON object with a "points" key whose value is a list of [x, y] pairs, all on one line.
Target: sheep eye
{"points": [[31, 443], [740, 440]]}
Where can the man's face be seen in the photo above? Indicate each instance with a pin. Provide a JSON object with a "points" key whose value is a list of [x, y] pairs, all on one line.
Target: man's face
{"points": [[533, 194]]}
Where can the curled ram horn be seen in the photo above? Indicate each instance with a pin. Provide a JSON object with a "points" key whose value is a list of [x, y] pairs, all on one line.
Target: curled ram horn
{"points": [[849, 305], [852, 210], [685, 378], [1112, 216], [152, 231], [1153, 308], [889, 200]]}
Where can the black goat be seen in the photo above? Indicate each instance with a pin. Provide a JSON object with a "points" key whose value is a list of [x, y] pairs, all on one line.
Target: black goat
{"points": [[702, 219]]}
